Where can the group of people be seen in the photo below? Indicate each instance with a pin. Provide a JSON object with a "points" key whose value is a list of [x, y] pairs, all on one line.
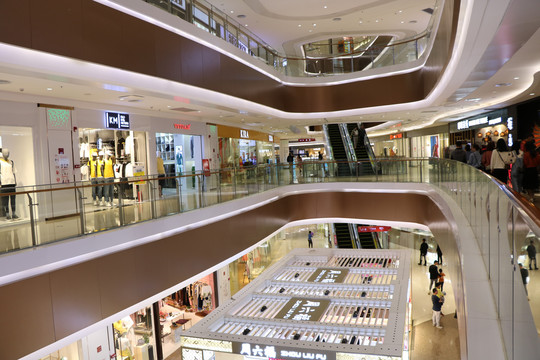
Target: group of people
{"points": [[521, 162], [436, 282]]}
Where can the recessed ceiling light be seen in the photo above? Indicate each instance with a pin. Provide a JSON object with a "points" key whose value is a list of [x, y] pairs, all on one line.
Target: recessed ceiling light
{"points": [[377, 20], [360, 21], [400, 11], [49, 89], [516, 78], [299, 25], [169, 106], [502, 84], [310, 30], [326, 7], [314, 24], [473, 99], [232, 12], [403, 22], [532, 94], [4, 82], [246, 25]]}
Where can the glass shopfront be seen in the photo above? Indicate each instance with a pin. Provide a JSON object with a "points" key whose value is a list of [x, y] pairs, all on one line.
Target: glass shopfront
{"points": [[239, 147], [391, 146]]}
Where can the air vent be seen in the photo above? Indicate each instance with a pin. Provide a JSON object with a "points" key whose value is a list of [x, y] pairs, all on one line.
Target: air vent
{"points": [[183, 109], [132, 98], [4, 82], [428, 10], [429, 111]]}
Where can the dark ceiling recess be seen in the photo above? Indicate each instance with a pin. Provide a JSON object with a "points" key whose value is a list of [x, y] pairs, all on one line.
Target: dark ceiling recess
{"points": [[428, 10]]}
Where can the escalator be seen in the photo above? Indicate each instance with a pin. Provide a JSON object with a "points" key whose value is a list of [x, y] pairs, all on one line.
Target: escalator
{"points": [[366, 240], [343, 236], [366, 167], [338, 150]]}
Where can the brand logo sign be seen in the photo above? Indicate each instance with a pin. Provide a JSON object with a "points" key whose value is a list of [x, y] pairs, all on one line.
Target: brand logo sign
{"points": [[182, 126], [116, 121], [324, 275], [303, 309], [306, 140], [244, 134], [278, 352], [363, 229], [396, 136]]}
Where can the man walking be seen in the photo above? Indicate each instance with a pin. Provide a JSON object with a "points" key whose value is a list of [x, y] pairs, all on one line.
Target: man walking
{"points": [[439, 255], [531, 251], [437, 306], [310, 239], [423, 252], [433, 275], [524, 275]]}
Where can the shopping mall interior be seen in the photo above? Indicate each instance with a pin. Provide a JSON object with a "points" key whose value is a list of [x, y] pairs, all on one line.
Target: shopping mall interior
{"points": [[200, 180]]}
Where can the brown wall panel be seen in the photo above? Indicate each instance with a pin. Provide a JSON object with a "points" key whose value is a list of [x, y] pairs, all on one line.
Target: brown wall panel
{"points": [[109, 37], [102, 35], [27, 319], [57, 27], [86, 293], [15, 22], [68, 300]]}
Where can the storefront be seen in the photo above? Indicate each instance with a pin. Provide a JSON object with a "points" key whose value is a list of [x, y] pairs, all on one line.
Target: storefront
{"points": [[391, 145], [240, 147], [308, 148], [483, 128], [429, 142], [180, 146]]}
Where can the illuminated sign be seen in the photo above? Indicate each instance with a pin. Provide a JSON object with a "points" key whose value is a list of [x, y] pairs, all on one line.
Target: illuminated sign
{"points": [[306, 140], [182, 126], [244, 134], [303, 309], [466, 124], [271, 138], [396, 136], [116, 121], [510, 140], [363, 229], [324, 275], [495, 121], [278, 352], [510, 123]]}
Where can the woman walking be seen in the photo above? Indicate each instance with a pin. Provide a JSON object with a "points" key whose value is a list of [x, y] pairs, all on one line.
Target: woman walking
{"points": [[501, 159]]}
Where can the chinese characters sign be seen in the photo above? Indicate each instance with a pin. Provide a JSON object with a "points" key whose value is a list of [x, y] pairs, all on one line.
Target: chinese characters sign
{"points": [[303, 309], [332, 276], [276, 352]]}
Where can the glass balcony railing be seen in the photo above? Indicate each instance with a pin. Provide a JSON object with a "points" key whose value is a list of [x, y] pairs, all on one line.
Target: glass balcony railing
{"points": [[502, 221], [207, 17]]}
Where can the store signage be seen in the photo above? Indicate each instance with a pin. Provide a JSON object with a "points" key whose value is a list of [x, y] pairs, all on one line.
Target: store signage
{"points": [[206, 167], [306, 140], [303, 309], [182, 126], [326, 275], [396, 136], [278, 352], [244, 134], [363, 229], [510, 123], [495, 121], [116, 121], [270, 138], [467, 124]]}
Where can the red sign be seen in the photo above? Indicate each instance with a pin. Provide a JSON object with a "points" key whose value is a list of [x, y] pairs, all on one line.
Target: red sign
{"points": [[306, 140], [99, 349], [363, 229], [182, 126], [206, 167], [396, 136], [60, 151]]}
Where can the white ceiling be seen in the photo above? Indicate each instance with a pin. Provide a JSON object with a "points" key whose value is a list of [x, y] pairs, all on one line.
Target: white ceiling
{"points": [[488, 35]]}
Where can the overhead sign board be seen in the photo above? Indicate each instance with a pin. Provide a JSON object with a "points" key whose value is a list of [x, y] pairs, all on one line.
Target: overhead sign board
{"points": [[327, 275], [363, 229], [279, 352]]}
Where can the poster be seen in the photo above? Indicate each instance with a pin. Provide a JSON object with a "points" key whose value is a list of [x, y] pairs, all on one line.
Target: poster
{"points": [[434, 141], [206, 167]]}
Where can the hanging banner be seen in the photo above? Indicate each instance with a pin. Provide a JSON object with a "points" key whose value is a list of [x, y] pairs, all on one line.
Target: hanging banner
{"points": [[363, 229]]}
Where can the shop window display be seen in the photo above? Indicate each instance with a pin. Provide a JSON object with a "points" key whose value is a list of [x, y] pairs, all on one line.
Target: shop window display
{"points": [[134, 337], [108, 156]]}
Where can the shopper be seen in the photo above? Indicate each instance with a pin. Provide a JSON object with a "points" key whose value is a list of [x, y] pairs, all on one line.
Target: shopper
{"points": [[310, 239], [531, 251], [475, 160], [423, 252], [524, 276], [531, 160], [440, 279], [433, 275], [501, 159], [486, 156], [439, 255], [299, 164], [516, 174], [290, 160], [354, 134], [437, 307], [459, 154], [467, 153]]}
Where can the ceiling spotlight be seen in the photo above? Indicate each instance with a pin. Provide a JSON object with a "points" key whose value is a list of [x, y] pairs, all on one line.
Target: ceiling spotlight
{"points": [[516, 78], [245, 25], [299, 25], [325, 7], [403, 22], [532, 94], [232, 12], [360, 21], [49, 89], [314, 24]]}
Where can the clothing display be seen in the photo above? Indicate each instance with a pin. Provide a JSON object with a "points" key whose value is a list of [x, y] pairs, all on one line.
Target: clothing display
{"points": [[8, 184], [129, 145]]}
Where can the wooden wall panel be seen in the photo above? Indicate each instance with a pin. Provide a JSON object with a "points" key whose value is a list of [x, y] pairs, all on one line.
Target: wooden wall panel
{"points": [[138, 50], [27, 317], [15, 23], [57, 27], [168, 52]]}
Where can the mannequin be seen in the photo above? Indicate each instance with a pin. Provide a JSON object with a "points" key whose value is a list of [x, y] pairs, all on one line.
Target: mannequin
{"points": [[108, 178], [161, 173], [8, 184], [93, 176], [100, 180]]}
